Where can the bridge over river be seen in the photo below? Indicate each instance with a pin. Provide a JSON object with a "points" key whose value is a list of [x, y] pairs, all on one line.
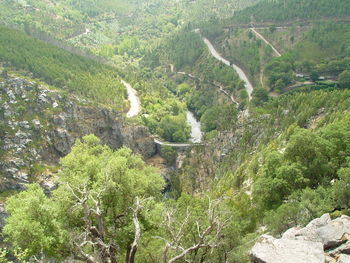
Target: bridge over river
{"points": [[177, 145]]}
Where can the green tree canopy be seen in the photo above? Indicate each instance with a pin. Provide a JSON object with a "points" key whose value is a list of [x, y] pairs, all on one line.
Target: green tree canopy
{"points": [[344, 79], [95, 214]]}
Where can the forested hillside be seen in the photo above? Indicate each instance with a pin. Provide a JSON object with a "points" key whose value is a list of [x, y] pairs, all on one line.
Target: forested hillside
{"points": [[264, 85], [118, 30], [60, 68], [293, 10], [314, 47]]}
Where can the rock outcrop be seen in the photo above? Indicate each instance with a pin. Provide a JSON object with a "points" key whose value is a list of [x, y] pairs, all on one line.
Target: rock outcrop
{"points": [[322, 240], [2, 216], [38, 125]]}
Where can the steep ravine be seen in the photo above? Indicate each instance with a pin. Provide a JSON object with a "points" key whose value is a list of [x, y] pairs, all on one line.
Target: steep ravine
{"points": [[40, 126]]}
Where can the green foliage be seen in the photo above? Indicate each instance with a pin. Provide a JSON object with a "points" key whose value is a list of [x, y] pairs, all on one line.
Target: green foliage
{"points": [[209, 120], [183, 49], [294, 183], [21, 256], [183, 89], [279, 73], [260, 96], [341, 189], [297, 174], [170, 128], [174, 129], [321, 52], [289, 10], [219, 117], [33, 223], [130, 46], [161, 107], [60, 68], [169, 153], [90, 172], [344, 79], [242, 47], [301, 207], [306, 161]]}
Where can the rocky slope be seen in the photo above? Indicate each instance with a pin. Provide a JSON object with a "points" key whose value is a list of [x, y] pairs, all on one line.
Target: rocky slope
{"points": [[227, 150], [38, 125], [322, 240]]}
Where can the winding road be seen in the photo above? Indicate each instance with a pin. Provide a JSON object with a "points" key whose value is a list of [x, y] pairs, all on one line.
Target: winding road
{"points": [[135, 106], [248, 86], [196, 134]]}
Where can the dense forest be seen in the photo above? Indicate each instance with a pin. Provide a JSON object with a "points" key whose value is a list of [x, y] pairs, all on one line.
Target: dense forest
{"points": [[293, 10], [270, 159], [60, 68]]}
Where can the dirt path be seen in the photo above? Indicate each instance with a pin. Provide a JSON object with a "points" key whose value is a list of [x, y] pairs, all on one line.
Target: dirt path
{"points": [[278, 54]]}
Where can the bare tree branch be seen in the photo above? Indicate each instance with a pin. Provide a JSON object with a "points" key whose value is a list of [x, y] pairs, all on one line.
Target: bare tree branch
{"points": [[133, 249], [207, 235], [94, 234]]}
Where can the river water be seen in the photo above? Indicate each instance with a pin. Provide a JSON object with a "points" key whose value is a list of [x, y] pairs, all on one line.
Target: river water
{"points": [[134, 100], [196, 133]]}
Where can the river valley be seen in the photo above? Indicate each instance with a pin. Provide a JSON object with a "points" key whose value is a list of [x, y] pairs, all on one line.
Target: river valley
{"points": [[196, 133]]}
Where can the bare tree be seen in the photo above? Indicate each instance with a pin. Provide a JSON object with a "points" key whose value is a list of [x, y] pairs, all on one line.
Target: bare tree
{"points": [[94, 238], [208, 234], [130, 255]]}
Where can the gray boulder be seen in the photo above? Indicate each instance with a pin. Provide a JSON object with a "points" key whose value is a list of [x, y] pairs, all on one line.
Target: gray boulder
{"points": [[271, 250], [3, 215], [329, 232], [322, 240], [343, 259], [334, 233]]}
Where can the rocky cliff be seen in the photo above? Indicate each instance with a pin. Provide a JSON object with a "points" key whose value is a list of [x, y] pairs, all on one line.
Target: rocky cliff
{"points": [[227, 150], [322, 240], [39, 124]]}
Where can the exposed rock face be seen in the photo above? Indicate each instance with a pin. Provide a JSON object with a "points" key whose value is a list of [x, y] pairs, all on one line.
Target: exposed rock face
{"points": [[2, 216], [270, 249], [322, 240], [201, 174], [39, 125]]}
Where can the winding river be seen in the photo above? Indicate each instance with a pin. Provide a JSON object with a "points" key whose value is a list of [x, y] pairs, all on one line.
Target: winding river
{"points": [[196, 133], [135, 106]]}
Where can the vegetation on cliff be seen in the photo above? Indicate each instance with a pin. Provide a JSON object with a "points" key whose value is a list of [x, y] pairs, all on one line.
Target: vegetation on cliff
{"points": [[73, 73], [268, 164]]}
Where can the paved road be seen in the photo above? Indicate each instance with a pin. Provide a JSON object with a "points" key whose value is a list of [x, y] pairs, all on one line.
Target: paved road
{"points": [[135, 107], [134, 101], [248, 86], [266, 41]]}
